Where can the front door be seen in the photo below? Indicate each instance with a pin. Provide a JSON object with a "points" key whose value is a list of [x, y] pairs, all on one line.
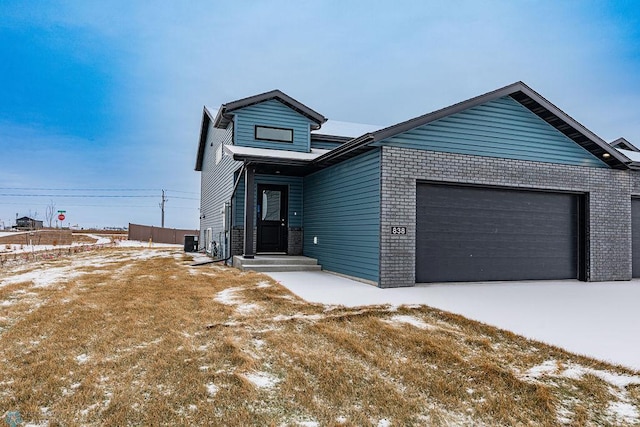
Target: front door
{"points": [[272, 218]]}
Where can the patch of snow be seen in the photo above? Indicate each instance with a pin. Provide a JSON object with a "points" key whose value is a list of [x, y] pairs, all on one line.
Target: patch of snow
{"points": [[228, 296], [341, 419], [262, 379], [620, 410], [575, 371], [100, 240], [597, 319], [193, 408], [348, 129], [411, 320], [545, 368], [88, 409], [384, 423], [247, 308], [283, 318], [263, 285], [623, 411], [83, 358], [199, 257], [631, 155], [139, 244], [308, 423], [212, 389], [42, 278]]}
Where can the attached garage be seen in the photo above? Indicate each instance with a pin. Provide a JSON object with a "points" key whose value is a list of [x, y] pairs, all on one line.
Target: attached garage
{"points": [[469, 233]]}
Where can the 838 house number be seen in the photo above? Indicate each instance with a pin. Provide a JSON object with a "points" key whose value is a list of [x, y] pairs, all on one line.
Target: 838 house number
{"points": [[398, 230]]}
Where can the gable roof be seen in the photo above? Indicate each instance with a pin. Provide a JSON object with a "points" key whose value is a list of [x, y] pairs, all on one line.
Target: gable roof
{"points": [[521, 93], [222, 119], [224, 115], [204, 128], [623, 144]]}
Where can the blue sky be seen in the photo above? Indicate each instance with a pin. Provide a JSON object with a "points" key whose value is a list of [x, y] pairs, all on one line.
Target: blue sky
{"points": [[101, 98]]}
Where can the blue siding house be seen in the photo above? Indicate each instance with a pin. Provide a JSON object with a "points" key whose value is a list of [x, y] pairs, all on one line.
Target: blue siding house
{"points": [[503, 186]]}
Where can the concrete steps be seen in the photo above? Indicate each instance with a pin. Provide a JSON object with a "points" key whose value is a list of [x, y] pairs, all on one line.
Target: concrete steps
{"points": [[276, 263]]}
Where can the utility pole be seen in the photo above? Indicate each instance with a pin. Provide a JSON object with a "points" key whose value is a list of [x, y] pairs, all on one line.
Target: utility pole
{"points": [[164, 199]]}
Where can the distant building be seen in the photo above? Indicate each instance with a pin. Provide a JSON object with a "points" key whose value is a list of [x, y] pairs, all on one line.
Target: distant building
{"points": [[28, 223]]}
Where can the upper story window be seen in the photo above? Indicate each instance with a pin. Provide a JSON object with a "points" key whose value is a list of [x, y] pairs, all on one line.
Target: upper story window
{"points": [[266, 133]]}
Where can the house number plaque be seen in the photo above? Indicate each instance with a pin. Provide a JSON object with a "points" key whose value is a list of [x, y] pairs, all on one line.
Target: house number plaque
{"points": [[398, 230]]}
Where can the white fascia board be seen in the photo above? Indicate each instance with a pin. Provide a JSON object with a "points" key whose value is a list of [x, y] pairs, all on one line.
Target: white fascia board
{"points": [[266, 153]]}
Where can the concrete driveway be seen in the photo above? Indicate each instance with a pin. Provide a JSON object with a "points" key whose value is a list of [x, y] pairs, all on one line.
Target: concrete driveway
{"points": [[600, 320]]}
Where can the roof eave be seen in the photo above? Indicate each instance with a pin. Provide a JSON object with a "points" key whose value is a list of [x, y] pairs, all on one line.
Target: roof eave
{"points": [[345, 150], [568, 126], [444, 112], [615, 159], [292, 103], [204, 129]]}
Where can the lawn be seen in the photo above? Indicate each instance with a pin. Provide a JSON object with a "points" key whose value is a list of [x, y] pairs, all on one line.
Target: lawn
{"points": [[135, 336]]}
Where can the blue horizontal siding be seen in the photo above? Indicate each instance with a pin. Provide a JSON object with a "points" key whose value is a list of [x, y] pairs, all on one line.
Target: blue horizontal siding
{"points": [[275, 114], [342, 209], [325, 145], [500, 128], [295, 198]]}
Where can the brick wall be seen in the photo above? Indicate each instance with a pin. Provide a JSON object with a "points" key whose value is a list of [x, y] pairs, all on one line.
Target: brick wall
{"points": [[608, 190]]}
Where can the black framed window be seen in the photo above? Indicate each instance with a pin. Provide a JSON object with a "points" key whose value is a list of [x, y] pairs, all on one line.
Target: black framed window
{"points": [[268, 133]]}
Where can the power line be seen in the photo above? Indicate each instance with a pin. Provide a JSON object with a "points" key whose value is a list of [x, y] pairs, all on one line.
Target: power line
{"points": [[73, 195], [76, 189], [185, 192], [185, 198]]}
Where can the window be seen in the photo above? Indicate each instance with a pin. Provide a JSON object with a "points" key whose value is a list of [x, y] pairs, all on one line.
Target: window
{"points": [[267, 133]]}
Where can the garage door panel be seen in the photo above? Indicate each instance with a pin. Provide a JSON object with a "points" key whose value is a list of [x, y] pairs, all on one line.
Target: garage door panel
{"points": [[475, 234], [479, 267]]}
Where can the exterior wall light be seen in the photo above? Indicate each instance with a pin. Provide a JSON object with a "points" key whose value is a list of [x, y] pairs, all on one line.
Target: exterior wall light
{"points": [[606, 155]]}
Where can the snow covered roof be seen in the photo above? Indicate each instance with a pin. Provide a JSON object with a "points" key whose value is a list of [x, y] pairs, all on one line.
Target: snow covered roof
{"points": [[266, 154], [348, 129], [622, 143], [634, 156]]}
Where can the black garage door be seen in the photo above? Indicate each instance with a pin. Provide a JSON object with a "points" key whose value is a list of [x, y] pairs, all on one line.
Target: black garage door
{"points": [[467, 233], [635, 236]]}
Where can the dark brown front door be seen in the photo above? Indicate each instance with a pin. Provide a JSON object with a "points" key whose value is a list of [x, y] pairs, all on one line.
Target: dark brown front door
{"points": [[272, 218]]}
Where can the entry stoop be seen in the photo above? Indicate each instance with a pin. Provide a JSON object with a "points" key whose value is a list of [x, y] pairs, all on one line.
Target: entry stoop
{"points": [[276, 263]]}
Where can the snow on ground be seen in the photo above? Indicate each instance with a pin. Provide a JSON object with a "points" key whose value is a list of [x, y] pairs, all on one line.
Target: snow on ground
{"points": [[597, 319], [140, 244], [619, 410], [212, 389], [411, 320], [42, 278], [261, 379], [230, 297]]}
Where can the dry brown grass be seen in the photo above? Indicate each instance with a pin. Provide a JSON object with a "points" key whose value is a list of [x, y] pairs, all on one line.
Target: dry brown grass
{"points": [[139, 337]]}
